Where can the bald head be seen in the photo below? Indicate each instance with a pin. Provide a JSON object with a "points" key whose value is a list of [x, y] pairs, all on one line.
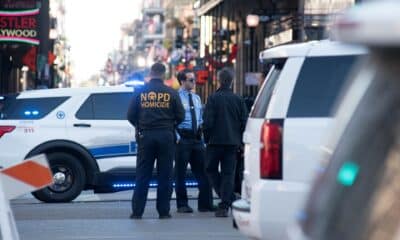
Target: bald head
{"points": [[157, 70]]}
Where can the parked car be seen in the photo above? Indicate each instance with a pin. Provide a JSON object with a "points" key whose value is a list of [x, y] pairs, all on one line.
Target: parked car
{"points": [[356, 195], [84, 132], [283, 136]]}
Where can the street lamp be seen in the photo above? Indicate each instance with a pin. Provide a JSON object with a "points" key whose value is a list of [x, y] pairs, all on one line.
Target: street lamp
{"points": [[252, 22]]}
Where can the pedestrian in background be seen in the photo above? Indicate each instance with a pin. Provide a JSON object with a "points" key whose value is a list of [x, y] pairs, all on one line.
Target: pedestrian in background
{"points": [[190, 148], [225, 117], [155, 111]]}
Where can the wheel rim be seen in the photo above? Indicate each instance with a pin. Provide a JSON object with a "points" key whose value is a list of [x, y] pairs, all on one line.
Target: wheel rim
{"points": [[63, 178]]}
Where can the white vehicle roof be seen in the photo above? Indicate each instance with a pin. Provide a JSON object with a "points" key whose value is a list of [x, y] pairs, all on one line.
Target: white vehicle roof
{"points": [[312, 49], [371, 23], [59, 92]]}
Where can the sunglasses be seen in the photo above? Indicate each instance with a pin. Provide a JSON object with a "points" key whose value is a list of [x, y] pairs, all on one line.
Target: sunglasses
{"points": [[190, 80]]}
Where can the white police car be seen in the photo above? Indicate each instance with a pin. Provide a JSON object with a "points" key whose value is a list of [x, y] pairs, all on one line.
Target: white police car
{"points": [[83, 131]]}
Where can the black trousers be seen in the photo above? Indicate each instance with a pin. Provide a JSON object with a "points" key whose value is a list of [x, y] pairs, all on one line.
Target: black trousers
{"points": [[222, 182], [192, 152], [152, 145]]}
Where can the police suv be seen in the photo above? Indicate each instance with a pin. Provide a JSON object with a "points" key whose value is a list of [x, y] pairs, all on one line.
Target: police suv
{"points": [[285, 131], [84, 133]]}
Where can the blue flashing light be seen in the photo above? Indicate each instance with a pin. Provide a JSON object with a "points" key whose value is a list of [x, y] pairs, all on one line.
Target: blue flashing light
{"points": [[31, 113], [124, 185], [151, 184], [133, 83]]}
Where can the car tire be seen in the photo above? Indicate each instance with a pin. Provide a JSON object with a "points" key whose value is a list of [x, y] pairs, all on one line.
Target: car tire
{"points": [[68, 179]]}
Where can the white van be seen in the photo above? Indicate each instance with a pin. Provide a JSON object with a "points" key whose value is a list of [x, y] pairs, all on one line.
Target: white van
{"points": [[284, 133]]}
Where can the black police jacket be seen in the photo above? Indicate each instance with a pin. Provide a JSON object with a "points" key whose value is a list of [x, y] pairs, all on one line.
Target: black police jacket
{"points": [[155, 106], [225, 117]]}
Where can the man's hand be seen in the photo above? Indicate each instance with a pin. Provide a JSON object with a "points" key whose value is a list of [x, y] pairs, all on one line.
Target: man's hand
{"points": [[199, 134]]}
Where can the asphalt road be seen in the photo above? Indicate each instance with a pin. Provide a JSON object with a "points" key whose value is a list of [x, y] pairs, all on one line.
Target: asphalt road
{"points": [[107, 217]]}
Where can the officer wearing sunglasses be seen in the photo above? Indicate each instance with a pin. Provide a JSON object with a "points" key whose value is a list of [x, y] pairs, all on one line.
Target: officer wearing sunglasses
{"points": [[190, 148]]}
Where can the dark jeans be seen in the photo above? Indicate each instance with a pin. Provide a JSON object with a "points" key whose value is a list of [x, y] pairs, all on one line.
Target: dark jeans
{"points": [[193, 152], [152, 145], [222, 182]]}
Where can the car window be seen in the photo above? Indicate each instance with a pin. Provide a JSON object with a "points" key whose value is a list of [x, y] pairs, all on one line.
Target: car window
{"points": [[263, 98], [105, 106], [318, 85], [86, 110], [28, 108]]}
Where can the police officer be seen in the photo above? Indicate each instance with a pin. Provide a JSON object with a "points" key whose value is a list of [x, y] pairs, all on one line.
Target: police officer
{"points": [[225, 118], [155, 110], [190, 148]]}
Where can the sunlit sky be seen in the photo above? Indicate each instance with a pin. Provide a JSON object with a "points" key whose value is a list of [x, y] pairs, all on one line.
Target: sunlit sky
{"points": [[93, 31]]}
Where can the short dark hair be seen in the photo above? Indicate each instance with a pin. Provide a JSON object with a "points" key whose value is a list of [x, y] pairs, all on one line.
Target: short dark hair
{"points": [[157, 70], [225, 77], [182, 75]]}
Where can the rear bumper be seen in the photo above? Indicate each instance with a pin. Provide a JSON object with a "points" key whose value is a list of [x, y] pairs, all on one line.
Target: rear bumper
{"points": [[273, 206], [241, 206], [241, 215]]}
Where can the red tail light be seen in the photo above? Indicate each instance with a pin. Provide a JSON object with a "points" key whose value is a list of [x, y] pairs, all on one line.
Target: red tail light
{"points": [[271, 151], [6, 129]]}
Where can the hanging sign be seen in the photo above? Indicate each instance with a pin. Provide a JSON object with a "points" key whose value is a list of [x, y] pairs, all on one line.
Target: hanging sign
{"points": [[19, 26]]}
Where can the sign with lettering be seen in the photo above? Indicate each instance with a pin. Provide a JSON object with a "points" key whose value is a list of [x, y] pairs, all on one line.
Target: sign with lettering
{"points": [[155, 100], [18, 4], [19, 26]]}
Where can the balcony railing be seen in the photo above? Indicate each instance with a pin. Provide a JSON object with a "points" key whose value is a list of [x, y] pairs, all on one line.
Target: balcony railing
{"points": [[150, 4]]}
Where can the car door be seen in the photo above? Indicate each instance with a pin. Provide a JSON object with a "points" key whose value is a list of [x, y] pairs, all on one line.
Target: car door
{"points": [[100, 125]]}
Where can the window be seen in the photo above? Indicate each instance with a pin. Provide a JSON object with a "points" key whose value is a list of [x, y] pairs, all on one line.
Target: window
{"points": [[105, 106], [318, 85], [86, 110], [261, 103], [28, 108]]}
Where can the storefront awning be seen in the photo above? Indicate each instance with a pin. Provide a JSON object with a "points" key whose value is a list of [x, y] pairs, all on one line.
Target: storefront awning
{"points": [[207, 7]]}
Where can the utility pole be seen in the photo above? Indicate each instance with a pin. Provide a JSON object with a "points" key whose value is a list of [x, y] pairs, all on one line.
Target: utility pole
{"points": [[43, 70]]}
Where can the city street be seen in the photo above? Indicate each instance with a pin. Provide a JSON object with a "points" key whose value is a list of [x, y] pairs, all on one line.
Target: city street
{"points": [[106, 216], [285, 110]]}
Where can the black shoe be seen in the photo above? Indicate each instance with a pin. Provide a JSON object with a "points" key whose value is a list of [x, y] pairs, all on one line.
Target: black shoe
{"points": [[133, 216], [221, 212], [208, 209], [165, 216], [185, 209]]}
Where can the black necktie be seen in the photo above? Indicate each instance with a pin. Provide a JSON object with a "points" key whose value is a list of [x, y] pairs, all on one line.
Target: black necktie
{"points": [[192, 114]]}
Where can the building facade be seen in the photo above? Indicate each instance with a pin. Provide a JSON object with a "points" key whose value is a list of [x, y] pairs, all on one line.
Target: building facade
{"points": [[31, 40], [234, 37]]}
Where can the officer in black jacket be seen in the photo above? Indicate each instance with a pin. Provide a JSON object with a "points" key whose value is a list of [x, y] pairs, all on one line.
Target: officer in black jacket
{"points": [[155, 110], [225, 119]]}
